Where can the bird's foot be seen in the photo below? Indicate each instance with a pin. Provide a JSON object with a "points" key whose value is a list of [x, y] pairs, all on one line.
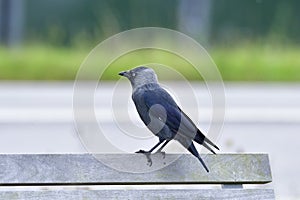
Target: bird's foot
{"points": [[142, 151], [148, 156], [162, 153]]}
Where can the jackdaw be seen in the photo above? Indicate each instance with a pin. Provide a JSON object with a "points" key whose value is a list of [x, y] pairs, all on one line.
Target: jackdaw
{"points": [[162, 115]]}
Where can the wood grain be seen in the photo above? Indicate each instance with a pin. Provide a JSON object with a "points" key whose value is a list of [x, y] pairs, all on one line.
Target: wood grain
{"points": [[61, 169]]}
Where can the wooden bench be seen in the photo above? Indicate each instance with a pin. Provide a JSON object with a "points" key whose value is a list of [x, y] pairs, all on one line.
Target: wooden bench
{"points": [[228, 171]]}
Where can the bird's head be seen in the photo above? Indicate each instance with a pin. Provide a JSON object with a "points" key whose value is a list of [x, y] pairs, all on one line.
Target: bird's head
{"points": [[140, 76]]}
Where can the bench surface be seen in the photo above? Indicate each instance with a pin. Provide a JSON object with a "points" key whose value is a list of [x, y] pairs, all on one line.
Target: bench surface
{"points": [[202, 194], [31, 170]]}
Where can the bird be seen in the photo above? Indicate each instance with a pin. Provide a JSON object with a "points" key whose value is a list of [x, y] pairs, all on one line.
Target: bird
{"points": [[161, 114]]}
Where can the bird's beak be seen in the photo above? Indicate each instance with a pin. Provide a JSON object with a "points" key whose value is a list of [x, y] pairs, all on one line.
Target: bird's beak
{"points": [[123, 73]]}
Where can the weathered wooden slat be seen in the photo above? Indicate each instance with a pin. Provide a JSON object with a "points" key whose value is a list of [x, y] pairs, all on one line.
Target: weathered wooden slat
{"points": [[43, 169], [234, 194]]}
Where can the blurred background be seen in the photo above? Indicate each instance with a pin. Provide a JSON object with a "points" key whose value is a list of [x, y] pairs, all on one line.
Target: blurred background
{"points": [[254, 43], [249, 40]]}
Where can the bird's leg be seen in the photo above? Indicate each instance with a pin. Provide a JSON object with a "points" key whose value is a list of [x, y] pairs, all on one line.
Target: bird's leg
{"points": [[148, 153], [159, 150]]}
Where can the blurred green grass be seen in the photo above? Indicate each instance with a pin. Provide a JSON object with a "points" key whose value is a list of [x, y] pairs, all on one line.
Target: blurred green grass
{"points": [[250, 62], [240, 62], [39, 62]]}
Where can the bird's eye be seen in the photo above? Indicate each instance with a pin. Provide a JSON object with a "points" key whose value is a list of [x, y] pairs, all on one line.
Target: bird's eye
{"points": [[133, 74]]}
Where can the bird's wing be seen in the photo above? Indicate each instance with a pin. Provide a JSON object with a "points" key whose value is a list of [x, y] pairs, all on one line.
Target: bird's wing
{"points": [[176, 120]]}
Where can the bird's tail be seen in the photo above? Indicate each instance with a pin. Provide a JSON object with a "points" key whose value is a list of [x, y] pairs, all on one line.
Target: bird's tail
{"points": [[201, 139], [194, 151]]}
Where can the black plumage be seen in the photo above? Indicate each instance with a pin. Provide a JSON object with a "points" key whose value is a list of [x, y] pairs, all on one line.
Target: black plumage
{"points": [[162, 115]]}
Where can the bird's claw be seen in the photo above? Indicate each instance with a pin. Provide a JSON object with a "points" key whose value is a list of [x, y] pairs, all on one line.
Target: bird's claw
{"points": [[148, 155], [162, 153], [142, 151], [149, 161]]}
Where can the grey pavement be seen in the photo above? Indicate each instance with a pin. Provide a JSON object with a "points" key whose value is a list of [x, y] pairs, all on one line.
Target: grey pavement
{"points": [[37, 117]]}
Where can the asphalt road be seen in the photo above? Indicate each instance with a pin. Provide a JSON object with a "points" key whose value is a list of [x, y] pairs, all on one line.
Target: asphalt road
{"points": [[38, 118]]}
